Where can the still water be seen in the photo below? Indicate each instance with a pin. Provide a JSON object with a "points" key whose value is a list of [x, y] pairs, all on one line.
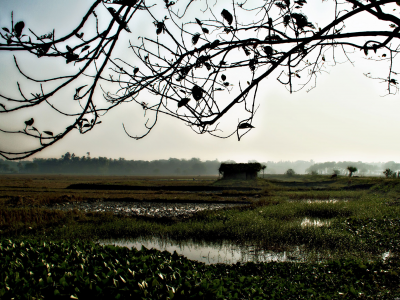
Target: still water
{"points": [[212, 253]]}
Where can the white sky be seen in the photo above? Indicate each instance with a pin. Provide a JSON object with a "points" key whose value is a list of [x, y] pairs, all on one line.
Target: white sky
{"points": [[343, 118]]}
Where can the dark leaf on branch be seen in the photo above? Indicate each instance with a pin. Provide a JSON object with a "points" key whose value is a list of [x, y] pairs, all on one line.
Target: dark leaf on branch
{"points": [[43, 49], [69, 48], [301, 21], [197, 92], [365, 50], [300, 2], [195, 38], [214, 44], [270, 22], [252, 64], [287, 2], [208, 66], [71, 57], [227, 16], [383, 55], [393, 81], [280, 5], [135, 70], [183, 102], [86, 125], [268, 50], [205, 30], [245, 126], [6, 29], [201, 60], [85, 48], [223, 77], [226, 83], [48, 132], [198, 22], [18, 28], [29, 122], [183, 91], [286, 20], [160, 27], [79, 35]]}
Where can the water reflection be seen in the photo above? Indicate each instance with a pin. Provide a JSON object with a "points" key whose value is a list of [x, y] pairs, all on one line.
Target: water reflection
{"points": [[212, 253], [148, 209], [314, 222]]}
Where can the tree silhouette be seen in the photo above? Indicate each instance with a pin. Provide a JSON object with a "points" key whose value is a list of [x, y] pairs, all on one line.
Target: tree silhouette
{"points": [[191, 61], [290, 172], [263, 167], [388, 173], [351, 170]]}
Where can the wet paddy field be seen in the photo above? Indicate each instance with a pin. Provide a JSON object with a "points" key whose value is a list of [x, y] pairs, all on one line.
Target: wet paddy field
{"points": [[146, 209], [324, 243]]}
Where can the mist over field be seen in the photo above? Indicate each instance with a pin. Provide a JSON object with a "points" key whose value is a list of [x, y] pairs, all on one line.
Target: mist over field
{"points": [[73, 164]]}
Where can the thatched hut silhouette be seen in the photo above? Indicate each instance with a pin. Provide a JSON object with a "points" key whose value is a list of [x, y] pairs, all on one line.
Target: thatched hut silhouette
{"points": [[239, 171]]}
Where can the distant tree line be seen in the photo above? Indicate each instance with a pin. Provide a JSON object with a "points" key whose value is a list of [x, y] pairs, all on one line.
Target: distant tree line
{"points": [[341, 168], [72, 164], [281, 167]]}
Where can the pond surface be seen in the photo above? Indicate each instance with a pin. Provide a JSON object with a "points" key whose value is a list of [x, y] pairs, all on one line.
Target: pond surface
{"points": [[227, 252], [146, 209], [213, 252]]}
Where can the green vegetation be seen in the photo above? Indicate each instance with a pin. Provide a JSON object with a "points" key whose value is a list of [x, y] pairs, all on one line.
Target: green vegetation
{"points": [[83, 270], [343, 256]]}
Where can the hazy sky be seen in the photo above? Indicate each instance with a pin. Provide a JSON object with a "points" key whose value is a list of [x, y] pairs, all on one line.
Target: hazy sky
{"points": [[344, 118]]}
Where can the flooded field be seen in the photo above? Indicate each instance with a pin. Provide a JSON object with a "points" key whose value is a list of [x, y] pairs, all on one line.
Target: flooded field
{"points": [[214, 252], [225, 251], [145, 209]]}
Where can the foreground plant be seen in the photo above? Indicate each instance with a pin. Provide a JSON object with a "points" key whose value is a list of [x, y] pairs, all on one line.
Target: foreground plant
{"points": [[83, 270]]}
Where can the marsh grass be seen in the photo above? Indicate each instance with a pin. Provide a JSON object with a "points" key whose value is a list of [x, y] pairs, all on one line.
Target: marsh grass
{"points": [[273, 220]]}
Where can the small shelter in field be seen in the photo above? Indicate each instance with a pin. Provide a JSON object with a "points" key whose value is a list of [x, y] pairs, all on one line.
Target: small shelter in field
{"points": [[239, 171]]}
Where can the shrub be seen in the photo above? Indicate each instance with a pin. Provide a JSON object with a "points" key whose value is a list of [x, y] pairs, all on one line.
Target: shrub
{"points": [[388, 173], [290, 172]]}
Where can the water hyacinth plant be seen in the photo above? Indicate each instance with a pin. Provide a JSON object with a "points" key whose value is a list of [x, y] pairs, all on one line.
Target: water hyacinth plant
{"points": [[83, 270]]}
